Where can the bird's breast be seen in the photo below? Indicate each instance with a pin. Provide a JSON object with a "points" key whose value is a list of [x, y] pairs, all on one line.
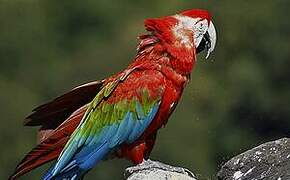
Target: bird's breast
{"points": [[170, 98]]}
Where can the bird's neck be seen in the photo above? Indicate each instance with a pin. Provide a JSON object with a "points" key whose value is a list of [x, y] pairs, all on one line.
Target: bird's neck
{"points": [[174, 61], [182, 58], [176, 41], [178, 55]]}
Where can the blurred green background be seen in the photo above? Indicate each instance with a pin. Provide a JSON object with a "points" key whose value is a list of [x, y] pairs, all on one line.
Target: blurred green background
{"points": [[236, 100]]}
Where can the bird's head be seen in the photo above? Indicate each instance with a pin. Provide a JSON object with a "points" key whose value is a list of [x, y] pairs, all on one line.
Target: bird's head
{"points": [[192, 29]]}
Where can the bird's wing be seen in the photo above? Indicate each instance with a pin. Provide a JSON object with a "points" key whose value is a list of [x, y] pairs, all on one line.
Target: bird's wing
{"points": [[50, 147], [52, 114], [120, 113], [58, 119]]}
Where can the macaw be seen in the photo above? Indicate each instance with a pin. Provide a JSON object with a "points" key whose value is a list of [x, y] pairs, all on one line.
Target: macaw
{"points": [[120, 116]]}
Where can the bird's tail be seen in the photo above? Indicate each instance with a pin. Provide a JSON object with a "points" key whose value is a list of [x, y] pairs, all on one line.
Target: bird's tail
{"points": [[50, 148], [41, 154], [74, 173]]}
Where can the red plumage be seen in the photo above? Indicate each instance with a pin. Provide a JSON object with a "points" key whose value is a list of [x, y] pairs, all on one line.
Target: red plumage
{"points": [[162, 60], [56, 125]]}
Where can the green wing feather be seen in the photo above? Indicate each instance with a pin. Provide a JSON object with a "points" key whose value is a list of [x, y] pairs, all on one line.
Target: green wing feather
{"points": [[106, 125]]}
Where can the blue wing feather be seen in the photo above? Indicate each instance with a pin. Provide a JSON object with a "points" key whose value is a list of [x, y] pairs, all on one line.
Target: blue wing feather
{"points": [[82, 153], [141, 125], [121, 130]]}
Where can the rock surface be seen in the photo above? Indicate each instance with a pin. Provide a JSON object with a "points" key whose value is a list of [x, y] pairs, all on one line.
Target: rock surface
{"points": [[269, 161], [154, 170]]}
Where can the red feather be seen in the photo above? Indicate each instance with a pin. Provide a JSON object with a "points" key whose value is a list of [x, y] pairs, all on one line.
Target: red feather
{"points": [[58, 119], [52, 114], [197, 13], [50, 148], [162, 62]]}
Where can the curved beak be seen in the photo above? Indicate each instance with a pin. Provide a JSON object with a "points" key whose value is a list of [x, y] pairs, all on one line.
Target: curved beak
{"points": [[207, 41], [210, 39]]}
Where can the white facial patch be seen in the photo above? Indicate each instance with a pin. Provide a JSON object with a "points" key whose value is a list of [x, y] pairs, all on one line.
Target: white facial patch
{"points": [[197, 25]]}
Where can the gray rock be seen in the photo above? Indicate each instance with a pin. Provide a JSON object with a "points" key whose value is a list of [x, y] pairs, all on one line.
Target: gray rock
{"points": [[154, 170], [269, 161]]}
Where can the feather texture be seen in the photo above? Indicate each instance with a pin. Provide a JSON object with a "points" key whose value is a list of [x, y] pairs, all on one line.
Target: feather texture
{"points": [[52, 114], [119, 116], [50, 148], [109, 122]]}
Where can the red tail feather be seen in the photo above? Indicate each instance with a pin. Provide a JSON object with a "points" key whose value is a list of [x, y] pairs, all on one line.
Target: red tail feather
{"points": [[50, 147]]}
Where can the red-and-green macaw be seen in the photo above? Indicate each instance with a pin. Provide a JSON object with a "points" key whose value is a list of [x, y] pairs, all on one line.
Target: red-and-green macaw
{"points": [[120, 116]]}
